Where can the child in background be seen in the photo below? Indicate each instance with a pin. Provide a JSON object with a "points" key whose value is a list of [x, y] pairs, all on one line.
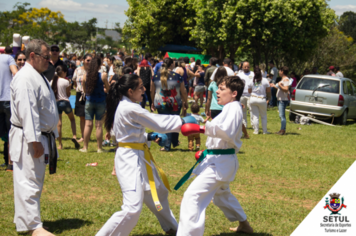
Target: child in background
{"points": [[195, 113]]}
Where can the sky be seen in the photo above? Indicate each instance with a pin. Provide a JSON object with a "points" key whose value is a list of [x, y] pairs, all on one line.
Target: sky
{"points": [[108, 12]]}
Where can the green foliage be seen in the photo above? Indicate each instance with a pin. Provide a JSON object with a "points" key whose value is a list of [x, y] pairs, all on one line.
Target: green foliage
{"points": [[335, 49], [288, 29], [347, 24], [152, 24]]}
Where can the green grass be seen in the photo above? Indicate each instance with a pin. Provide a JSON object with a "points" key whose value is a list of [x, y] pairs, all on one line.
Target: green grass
{"points": [[280, 179]]}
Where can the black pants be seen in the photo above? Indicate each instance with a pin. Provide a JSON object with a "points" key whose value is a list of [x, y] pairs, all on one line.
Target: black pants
{"points": [[5, 114], [215, 113], [148, 94], [6, 152]]}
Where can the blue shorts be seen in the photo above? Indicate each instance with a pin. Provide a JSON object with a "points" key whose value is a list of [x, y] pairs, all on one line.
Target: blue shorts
{"points": [[64, 106], [96, 109]]}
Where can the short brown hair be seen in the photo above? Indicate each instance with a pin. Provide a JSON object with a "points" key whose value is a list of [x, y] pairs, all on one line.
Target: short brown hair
{"points": [[195, 108], [234, 83]]}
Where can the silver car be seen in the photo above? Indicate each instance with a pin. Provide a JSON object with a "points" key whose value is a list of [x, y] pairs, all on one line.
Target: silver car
{"points": [[324, 97]]}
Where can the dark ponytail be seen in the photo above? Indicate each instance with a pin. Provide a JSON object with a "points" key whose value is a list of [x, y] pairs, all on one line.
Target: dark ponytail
{"points": [[116, 92], [59, 70], [258, 75]]}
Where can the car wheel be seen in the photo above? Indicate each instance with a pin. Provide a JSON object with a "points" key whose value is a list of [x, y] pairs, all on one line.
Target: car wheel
{"points": [[342, 120], [292, 117]]}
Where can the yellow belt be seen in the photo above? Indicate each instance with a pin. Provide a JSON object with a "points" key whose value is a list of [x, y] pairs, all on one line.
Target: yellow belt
{"points": [[151, 180]]}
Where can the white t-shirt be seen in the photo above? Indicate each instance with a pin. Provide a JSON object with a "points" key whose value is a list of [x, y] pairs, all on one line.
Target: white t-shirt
{"points": [[259, 89], [192, 65], [247, 77], [198, 118], [111, 71], [228, 70], [339, 74], [62, 85]]}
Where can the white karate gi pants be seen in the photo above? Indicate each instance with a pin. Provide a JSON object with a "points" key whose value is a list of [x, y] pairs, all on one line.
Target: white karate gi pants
{"points": [[122, 222], [198, 196], [246, 102], [259, 108], [28, 178]]}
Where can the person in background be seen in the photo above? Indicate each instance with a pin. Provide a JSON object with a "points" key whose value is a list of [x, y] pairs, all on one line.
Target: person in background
{"points": [[158, 66], [315, 71], [53, 63], [263, 70], [195, 113], [212, 108], [111, 61], [64, 57], [293, 75], [338, 72], [260, 91], [70, 72], [79, 62], [145, 72], [209, 71], [117, 68], [149, 59], [331, 71], [233, 66], [187, 74], [283, 98], [169, 96], [61, 89], [274, 73], [247, 76], [8, 69], [199, 88], [94, 83], [135, 64], [192, 63], [20, 59]]}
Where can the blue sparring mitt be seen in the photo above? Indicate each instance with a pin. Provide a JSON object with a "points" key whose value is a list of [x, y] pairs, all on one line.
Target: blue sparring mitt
{"points": [[189, 120], [153, 136]]}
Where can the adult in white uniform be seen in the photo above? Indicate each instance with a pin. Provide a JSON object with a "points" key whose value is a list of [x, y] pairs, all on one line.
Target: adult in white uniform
{"points": [[129, 120], [218, 169], [34, 111], [246, 76], [260, 91]]}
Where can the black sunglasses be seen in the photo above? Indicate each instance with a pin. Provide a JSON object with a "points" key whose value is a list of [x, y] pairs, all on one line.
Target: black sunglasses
{"points": [[44, 57], [54, 50], [21, 59]]}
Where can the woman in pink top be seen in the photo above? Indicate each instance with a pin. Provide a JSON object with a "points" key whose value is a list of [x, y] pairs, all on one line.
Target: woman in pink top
{"points": [[61, 88]]}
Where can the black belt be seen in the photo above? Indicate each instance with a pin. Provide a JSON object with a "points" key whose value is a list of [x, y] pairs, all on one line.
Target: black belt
{"points": [[52, 156]]}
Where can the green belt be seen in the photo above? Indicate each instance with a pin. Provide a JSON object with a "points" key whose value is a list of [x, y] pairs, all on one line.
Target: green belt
{"points": [[202, 157]]}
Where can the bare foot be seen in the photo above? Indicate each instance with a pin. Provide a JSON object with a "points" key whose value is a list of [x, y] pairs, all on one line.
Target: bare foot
{"points": [[60, 146], [113, 171], [243, 227], [80, 140]]}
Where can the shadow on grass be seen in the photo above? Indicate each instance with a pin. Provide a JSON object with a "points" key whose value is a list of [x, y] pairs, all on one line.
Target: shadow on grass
{"points": [[58, 226], [288, 133]]}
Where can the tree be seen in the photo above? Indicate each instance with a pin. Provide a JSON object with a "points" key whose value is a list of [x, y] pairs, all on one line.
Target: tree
{"points": [[152, 24], [267, 28], [41, 23], [347, 24], [80, 34], [8, 24]]}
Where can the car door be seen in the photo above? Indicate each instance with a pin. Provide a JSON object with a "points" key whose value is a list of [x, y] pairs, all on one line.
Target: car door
{"points": [[351, 99], [353, 85]]}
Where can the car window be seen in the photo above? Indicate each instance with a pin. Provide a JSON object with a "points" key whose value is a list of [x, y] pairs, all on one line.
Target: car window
{"points": [[354, 87], [349, 88], [345, 87], [308, 83]]}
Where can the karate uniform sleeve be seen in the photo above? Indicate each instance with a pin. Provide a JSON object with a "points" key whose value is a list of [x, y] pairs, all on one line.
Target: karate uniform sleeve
{"points": [[27, 109], [159, 123], [225, 130]]}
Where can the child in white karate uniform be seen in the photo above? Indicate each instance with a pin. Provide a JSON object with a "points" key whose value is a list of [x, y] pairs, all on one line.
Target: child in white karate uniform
{"points": [[134, 168], [219, 167]]}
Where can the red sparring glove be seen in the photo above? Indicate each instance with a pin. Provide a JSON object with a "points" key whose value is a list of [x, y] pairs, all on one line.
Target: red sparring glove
{"points": [[198, 154], [189, 129]]}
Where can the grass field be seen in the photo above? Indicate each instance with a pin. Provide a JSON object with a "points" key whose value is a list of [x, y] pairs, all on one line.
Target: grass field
{"points": [[280, 180]]}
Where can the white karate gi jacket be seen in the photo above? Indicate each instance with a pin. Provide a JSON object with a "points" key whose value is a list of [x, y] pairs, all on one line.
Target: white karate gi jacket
{"points": [[129, 127], [34, 108], [224, 132]]}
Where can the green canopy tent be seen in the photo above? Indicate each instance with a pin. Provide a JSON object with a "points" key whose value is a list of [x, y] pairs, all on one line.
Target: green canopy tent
{"points": [[204, 58]]}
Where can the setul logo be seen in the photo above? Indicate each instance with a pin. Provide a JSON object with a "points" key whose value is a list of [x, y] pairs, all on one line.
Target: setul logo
{"points": [[335, 205]]}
